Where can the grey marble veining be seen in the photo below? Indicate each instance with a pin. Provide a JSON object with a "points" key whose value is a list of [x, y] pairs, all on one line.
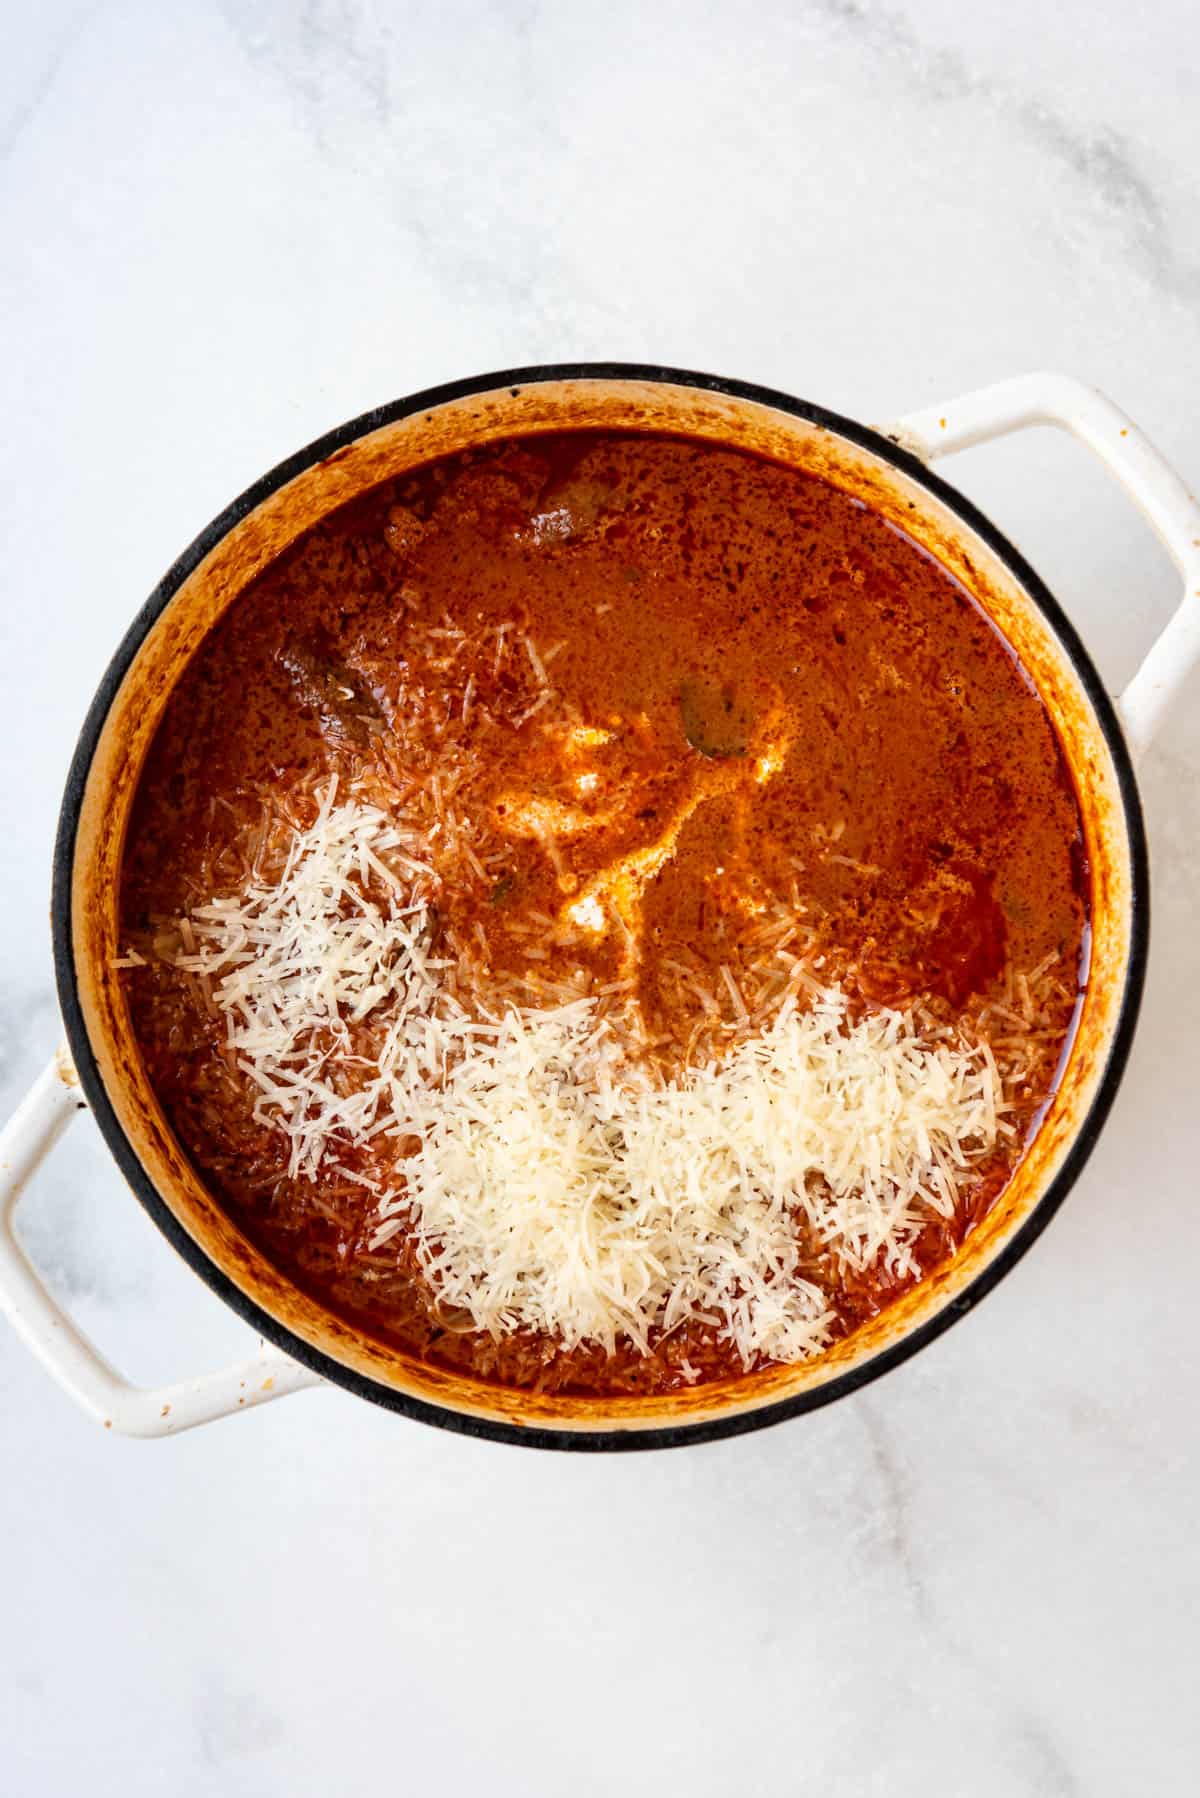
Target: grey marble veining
{"points": [[1103, 160], [225, 228]]}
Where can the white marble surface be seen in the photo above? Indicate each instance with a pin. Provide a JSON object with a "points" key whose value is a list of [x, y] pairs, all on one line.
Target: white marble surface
{"points": [[226, 227]]}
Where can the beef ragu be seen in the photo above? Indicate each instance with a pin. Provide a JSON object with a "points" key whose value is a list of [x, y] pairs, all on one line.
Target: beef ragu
{"points": [[653, 809]]}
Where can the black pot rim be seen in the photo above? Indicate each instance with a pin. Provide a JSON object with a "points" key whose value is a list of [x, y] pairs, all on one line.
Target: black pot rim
{"points": [[540, 1436]]}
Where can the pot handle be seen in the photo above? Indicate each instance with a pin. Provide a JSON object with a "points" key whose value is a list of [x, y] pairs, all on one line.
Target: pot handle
{"points": [[33, 1130], [1152, 484]]}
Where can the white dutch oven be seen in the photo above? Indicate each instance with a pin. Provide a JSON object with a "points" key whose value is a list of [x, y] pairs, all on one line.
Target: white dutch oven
{"points": [[889, 470]]}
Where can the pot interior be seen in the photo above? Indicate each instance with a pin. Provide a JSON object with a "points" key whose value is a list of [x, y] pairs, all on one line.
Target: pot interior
{"points": [[263, 523]]}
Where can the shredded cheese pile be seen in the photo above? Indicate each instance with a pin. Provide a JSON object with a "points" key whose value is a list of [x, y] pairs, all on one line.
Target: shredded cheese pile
{"points": [[557, 1184], [294, 963]]}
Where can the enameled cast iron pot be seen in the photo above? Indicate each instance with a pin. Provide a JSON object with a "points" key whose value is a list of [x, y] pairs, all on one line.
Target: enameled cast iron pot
{"points": [[889, 470]]}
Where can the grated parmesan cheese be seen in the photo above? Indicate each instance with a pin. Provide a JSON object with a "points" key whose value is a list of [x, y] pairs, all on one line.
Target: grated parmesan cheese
{"points": [[558, 1188], [558, 1183], [298, 961]]}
